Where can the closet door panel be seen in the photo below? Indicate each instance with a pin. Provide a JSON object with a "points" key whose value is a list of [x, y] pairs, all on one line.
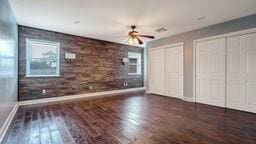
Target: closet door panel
{"points": [[157, 71], [210, 72], [241, 75], [174, 71]]}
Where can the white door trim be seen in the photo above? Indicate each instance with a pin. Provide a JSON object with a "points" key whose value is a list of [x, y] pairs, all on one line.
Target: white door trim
{"points": [[227, 35], [167, 46], [163, 47]]}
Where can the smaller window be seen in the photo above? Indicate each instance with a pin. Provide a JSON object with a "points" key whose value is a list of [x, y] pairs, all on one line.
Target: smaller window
{"points": [[134, 63], [42, 58]]}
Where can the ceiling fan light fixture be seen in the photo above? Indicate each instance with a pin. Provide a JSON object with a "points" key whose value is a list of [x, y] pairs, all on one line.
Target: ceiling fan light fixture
{"points": [[135, 37], [133, 41]]}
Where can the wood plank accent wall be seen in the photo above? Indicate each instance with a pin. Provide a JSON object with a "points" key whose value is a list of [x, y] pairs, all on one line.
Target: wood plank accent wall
{"points": [[98, 64]]}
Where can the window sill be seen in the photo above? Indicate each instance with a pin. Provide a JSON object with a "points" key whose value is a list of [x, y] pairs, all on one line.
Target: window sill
{"points": [[42, 76]]}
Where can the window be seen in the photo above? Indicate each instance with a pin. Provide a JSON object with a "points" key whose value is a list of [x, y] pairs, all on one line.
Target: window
{"points": [[42, 58], [134, 63]]}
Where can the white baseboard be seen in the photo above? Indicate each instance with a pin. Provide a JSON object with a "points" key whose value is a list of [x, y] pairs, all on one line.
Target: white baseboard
{"points": [[8, 121], [62, 98], [188, 99]]}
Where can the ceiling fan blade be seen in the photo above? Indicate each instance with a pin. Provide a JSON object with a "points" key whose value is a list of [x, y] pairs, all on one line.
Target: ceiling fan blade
{"points": [[147, 36], [140, 41]]}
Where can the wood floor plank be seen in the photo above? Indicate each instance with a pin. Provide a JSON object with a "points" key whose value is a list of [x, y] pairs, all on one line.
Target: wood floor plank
{"points": [[35, 127], [134, 118], [64, 132], [45, 135], [74, 129]]}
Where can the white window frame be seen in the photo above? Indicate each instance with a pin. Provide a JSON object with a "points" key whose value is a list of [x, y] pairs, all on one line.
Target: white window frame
{"points": [[137, 56], [43, 42]]}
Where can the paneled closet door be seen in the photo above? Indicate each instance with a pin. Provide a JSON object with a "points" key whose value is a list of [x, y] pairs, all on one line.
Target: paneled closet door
{"points": [[174, 72], [210, 72], [157, 71], [241, 75]]}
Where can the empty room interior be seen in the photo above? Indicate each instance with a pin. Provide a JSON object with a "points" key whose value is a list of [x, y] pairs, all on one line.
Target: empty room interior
{"points": [[127, 72]]}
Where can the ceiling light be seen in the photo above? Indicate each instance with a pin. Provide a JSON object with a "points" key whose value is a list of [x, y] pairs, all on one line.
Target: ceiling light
{"points": [[133, 41], [136, 42]]}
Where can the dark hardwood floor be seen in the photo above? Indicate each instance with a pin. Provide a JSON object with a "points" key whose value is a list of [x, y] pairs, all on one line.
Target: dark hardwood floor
{"points": [[130, 118]]}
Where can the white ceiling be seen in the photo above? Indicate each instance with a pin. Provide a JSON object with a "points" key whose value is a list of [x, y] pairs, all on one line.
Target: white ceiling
{"points": [[110, 19]]}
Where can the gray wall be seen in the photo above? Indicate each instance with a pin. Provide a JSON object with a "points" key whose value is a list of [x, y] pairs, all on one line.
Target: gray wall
{"points": [[188, 37], [8, 61]]}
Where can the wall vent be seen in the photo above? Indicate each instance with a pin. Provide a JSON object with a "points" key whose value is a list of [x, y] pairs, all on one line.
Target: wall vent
{"points": [[160, 30]]}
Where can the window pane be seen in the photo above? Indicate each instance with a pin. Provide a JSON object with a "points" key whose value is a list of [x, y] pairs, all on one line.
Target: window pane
{"points": [[134, 63], [133, 60], [42, 58], [43, 51], [42, 66], [133, 69]]}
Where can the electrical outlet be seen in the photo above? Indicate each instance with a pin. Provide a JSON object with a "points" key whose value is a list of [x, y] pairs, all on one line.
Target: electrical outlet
{"points": [[43, 91], [125, 84]]}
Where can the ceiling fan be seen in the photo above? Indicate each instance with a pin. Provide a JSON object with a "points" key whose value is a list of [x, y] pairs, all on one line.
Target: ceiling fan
{"points": [[135, 36]]}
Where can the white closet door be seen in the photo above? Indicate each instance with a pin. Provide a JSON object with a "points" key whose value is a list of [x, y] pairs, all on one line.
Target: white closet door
{"points": [[210, 72], [157, 71], [241, 76], [174, 72]]}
